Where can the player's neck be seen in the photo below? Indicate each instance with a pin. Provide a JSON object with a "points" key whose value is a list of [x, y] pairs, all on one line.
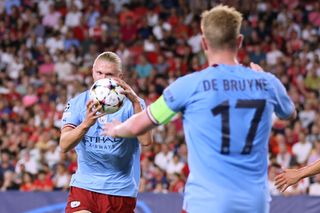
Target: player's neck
{"points": [[222, 57]]}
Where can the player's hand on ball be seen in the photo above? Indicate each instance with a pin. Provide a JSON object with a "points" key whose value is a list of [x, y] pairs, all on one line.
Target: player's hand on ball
{"points": [[92, 113], [109, 128], [128, 91], [287, 178]]}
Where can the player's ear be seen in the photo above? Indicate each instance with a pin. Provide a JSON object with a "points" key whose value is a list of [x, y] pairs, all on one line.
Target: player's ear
{"points": [[239, 41], [204, 43]]}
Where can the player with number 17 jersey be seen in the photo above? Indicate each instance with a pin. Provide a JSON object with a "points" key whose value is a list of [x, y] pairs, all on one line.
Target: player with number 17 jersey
{"points": [[227, 116]]}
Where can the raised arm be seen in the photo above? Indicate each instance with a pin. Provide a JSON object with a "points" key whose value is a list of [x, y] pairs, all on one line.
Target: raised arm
{"points": [[71, 135], [144, 138]]}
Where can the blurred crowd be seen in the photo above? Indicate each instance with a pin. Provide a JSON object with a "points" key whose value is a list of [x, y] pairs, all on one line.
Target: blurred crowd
{"points": [[46, 53]]}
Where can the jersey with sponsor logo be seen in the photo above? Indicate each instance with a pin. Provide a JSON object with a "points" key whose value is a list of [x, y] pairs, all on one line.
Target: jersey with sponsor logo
{"points": [[227, 112], [105, 164]]}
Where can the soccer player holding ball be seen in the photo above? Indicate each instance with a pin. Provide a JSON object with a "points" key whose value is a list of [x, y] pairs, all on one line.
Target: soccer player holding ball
{"points": [[227, 112], [107, 178]]}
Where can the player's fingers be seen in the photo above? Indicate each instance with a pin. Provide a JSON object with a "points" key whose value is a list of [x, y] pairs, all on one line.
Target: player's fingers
{"points": [[96, 109], [125, 92], [100, 115], [89, 103], [285, 187], [280, 184], [279, 177], [121, 83]]}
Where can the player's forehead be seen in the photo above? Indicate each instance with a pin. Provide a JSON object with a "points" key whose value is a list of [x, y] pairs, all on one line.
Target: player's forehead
{"points": [[105, 67]]}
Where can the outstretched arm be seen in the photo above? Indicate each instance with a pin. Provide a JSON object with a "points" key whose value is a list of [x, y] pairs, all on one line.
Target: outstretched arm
{"points": [[136, 125], [292, 176], [157, 113]]}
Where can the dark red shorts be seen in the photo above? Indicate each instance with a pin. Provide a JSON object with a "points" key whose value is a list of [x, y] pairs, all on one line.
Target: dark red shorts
{"points": [[81, 199]]}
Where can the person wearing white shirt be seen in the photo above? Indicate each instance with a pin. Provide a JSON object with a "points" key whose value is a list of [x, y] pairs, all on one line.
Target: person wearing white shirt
{"points": [[55, 43], [175, 165], [43, 7], [314, 188], [64, 69], [273, 55], [195, 43], [73, 17], [302, 149], [163, 158]]}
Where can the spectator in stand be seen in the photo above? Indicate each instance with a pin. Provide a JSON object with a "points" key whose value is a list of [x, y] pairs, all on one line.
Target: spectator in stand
{"points": [[9, 182], [143, 68], [51, 18], [314, 188], [307, 115], [27, 184], [52, 154], [61, 179], [163, 157], [73, 17], [315, 153], [5, 163], [175, 165], [42, 183], [302, 149], [30, 30], [63, 68], [273, 170], [314, 135], [283, 158]]}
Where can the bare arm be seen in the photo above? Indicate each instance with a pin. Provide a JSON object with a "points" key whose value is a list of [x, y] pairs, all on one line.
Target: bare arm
{"points": [[137, 125], [70, 137], [292, 176], [146, 137]]}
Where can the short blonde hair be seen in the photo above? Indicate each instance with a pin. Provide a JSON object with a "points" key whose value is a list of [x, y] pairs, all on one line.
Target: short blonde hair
{"points": [[110, 57], [221, 26]]}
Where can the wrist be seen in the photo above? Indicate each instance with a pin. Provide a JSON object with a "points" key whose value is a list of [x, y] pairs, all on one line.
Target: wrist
{"points": [[135, 100], [84, 126], [302, 173]]}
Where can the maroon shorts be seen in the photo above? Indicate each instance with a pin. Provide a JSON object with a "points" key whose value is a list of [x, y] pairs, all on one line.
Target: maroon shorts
{"points": [[81, 199]]}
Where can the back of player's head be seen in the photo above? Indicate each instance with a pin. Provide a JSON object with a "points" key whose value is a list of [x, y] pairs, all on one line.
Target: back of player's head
{"points": [[110, 57], [221, 27]]}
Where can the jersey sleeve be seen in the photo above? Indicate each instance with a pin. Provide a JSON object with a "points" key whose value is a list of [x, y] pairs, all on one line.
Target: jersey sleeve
{"points": [[173, 100], [70, 115], [177, 94], [284, 106]]}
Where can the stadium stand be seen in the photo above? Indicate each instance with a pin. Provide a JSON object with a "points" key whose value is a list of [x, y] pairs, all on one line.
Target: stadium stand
{"points": [[47, 49]]}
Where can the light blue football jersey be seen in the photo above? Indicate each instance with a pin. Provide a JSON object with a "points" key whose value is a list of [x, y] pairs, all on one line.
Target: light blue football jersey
{"points": [[106, 165], [227, 114]]}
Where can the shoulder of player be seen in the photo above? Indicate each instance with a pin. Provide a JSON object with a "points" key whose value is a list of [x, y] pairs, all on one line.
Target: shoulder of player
{"points": [[270, 77], [80, 98], [192, 77]]}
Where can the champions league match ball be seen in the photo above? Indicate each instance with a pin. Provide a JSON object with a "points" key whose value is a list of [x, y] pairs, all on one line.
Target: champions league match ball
{"points": [[108, 94]]}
